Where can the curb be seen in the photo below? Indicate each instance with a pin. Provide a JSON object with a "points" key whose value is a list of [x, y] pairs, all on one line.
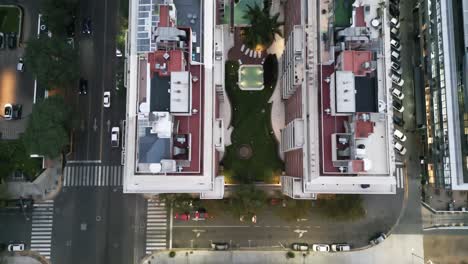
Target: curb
{"points": [[34, 255]]}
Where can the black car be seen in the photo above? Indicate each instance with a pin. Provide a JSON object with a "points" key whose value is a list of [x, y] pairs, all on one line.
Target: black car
{"points": [[83, 86], [12, 40], [86, 26], [398, 121]]}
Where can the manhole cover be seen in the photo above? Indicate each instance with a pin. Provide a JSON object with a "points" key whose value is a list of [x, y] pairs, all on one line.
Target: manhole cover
{"points": [[245, 152]]}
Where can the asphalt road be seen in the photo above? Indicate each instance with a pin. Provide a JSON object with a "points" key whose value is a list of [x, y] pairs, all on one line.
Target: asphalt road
{"points": [[99, 225], [15, 225], [91, 141]]}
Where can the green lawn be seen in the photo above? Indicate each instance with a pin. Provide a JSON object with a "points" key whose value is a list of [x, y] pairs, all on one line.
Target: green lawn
{"points": [[9, 19], [239, 10], [343, 12], [251, 120]]}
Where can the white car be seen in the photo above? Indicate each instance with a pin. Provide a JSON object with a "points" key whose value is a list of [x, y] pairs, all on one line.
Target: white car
{"points": [[398, 94], [118, 53], [399, 135], [115, 135], [300, 246], [8, 112], [320, 247], [399, 148], [340, 247], [106, 99], [16, 247], [20, 65]]}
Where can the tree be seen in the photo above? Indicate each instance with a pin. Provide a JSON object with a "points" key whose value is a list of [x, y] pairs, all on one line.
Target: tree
{"points": [[53, 61], [246, 200], [13, 157], [47, 130], [295, 209], [263, 28], [59, 14], [342, 207]]}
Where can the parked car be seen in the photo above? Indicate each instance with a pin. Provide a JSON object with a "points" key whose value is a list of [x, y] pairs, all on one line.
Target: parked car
{"points": [[2, 40], [182, 216], [398, 106], [379, 239], [299, 246], [395, 23], [398, 121], [321, 247], [398, 94], [397, 134], [200, 215], [115, 135], [220, 246], [106, 99], [395, 45], [395, 32], [12, 40], [86, 26], [20, 65], [397, 70], [399, 148], [395, 55], [396, 79], [340, 247], [118, 53], [83, 86], [8, 111], [16, 247]]}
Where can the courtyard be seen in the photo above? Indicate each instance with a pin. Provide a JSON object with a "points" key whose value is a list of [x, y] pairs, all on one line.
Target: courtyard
{"points": [[253, 155]]}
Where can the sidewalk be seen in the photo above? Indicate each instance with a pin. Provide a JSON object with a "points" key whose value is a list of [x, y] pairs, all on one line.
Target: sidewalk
{"points": [[439, 198], [45, 187]]}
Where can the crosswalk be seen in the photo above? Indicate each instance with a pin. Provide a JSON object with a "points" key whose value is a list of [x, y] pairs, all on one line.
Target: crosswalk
{"points": [[400, 178], [41, 230], [156, 225], [92, 175]]}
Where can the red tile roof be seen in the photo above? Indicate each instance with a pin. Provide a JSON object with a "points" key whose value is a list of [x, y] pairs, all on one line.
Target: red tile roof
{"points": [[164, 18], [174, 63], [363, 128], [359, 17], [353, 60]]}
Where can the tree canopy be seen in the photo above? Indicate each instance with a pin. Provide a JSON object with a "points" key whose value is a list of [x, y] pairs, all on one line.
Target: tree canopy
{"points": [[53, 61], [58, 15], [263, 27], [342, 207], [47, 131], [13, 157], [247, 200]]}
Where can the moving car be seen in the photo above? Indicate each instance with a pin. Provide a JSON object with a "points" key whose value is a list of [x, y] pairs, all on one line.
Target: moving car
{"points": [[2, 40], [399, 135], [12, 40], [399, 148], [86, 26], [115, 135], [16, 247], [320, 247], [20, 65], [398, 94], [200, 215], [220, 246], [83, 86], [106, 99], [381, 237], [398, 106], [340, 247], [300, 246]]}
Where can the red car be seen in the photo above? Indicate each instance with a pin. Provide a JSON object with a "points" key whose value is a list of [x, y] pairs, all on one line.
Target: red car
{"points": [[182, 216], [200, 216]]}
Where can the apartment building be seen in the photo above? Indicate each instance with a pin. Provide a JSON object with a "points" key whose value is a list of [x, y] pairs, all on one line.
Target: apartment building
{"points": [[169, 132], [338, 133]]}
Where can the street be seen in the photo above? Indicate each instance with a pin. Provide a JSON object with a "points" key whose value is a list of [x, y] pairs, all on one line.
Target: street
{"points": [[91, 141], [98, 225]]}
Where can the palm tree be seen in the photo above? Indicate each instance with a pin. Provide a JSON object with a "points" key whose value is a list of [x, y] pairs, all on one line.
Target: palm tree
{"points": [[263, 27]]}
